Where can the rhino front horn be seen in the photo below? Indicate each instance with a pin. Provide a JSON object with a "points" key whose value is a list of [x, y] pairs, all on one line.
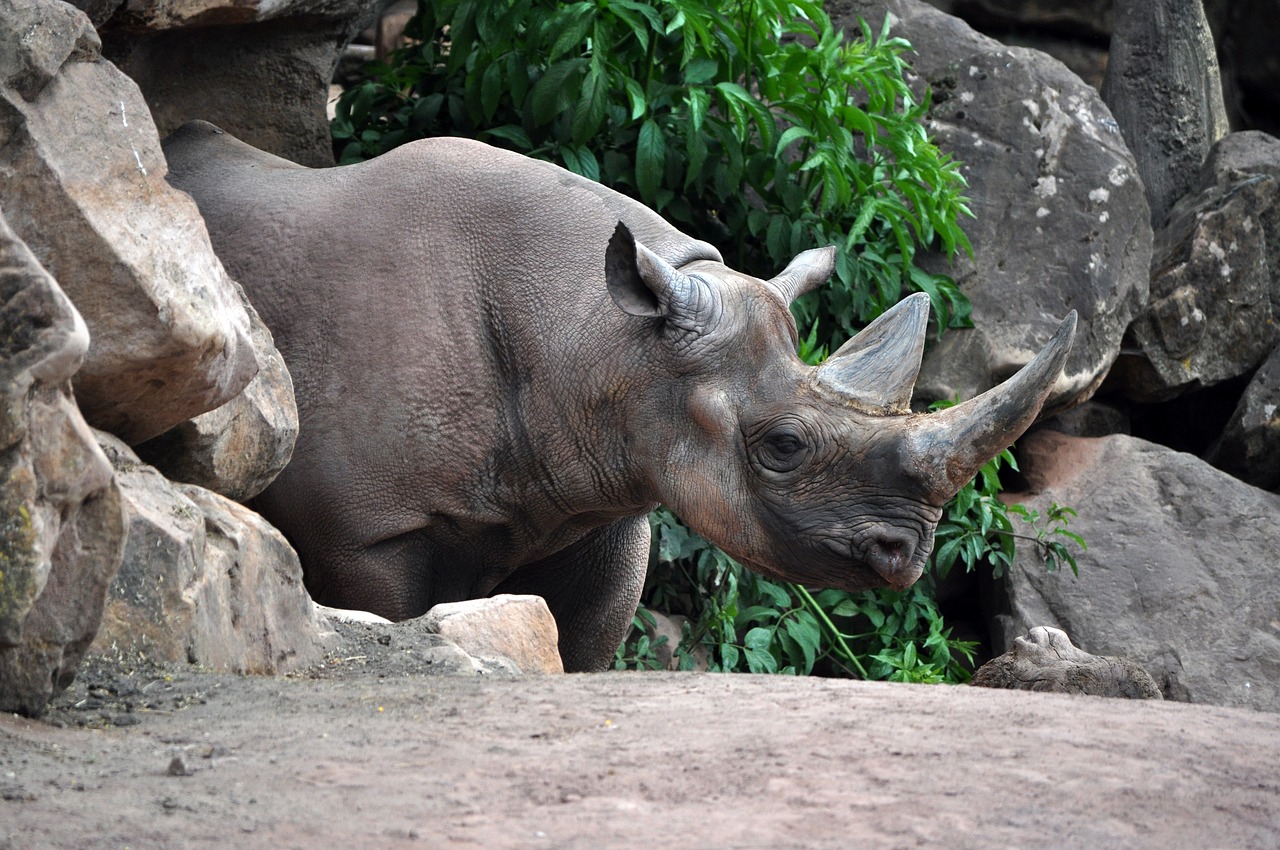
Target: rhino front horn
{"points": [[951, 445]]}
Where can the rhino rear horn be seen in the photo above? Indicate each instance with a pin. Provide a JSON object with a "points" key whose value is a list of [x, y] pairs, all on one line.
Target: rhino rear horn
{"points": [[640, 282], [950, 446], [877, 369], [806, 272]]}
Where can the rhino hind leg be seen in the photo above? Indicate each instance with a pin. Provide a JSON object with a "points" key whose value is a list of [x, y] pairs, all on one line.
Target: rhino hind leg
{"points": [[592, 589], [390, 579]]}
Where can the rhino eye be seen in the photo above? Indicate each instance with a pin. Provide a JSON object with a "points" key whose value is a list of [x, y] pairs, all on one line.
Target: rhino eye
{"points": [[781, 450]]}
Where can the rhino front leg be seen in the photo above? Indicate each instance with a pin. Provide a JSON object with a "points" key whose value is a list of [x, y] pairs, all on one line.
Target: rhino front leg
{"points": [[592, 589]]}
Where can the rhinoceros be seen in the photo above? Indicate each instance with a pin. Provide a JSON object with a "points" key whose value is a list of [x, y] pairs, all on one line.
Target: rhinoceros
{"points": [[502, 367]]}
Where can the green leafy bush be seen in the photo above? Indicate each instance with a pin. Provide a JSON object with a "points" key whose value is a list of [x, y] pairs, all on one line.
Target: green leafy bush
{"points": [[752, 124]]}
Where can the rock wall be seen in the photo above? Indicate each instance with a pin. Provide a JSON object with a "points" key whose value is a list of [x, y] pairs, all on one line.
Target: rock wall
{"points": [[1179, 575], [61, 520], [110, 286], [84, 187], [258, 69]]}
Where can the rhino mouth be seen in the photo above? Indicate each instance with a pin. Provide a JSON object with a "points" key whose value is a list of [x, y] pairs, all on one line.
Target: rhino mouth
{"points": [[852, 566], [888, 556]]}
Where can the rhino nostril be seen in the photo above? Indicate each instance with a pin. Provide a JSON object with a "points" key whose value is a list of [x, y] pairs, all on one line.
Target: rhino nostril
{"points": [[890, 554]]}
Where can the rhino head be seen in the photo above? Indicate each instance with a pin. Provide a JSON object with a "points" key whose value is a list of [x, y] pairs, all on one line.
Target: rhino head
{"points": [[820, 475]]}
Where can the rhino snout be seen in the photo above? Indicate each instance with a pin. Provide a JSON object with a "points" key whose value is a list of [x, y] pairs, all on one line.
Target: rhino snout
{"points": [[891, 553]]}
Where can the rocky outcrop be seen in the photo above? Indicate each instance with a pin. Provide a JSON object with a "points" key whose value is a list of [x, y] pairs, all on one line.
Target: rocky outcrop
{"points": [[1165, 91], [239, 448], [61, 524], [1045, 659], [1078, 32], [518, 627], [1061, 219], [85, 189], [1249, 447], [1179, 574], [1215, 281], [258, 68], [204, 580]]}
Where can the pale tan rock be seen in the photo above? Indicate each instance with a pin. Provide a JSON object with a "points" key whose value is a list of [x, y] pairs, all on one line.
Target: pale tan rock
{"points": [[518, 627], [84, 188], [1045, 659], [204, 580], [239, 448], [672, 628], [61, 526]]}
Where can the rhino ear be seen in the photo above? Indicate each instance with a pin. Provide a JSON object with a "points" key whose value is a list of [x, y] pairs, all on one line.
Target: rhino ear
{"points": [[877, 368], [640, 282], [806, 272]]}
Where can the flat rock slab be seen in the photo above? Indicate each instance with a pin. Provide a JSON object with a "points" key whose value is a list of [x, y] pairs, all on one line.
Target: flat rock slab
{"points": [[637, 760]]}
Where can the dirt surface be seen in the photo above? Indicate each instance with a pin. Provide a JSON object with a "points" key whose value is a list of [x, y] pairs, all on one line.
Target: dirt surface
{"points": [[370, 750]]}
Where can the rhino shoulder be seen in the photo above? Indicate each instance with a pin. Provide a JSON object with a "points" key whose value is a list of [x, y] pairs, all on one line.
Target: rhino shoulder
{"points": [[518, 175]]}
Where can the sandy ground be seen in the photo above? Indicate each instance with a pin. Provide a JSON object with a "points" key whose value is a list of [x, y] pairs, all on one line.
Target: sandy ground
{"points": [[370, 751]]}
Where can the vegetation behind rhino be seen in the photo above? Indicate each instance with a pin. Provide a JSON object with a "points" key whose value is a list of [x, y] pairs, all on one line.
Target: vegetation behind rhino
{"points": [[501, 367]]}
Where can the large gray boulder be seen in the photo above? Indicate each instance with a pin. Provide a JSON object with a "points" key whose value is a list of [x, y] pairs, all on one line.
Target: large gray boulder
{"points": [[1215, 282], [204, 580], [61, 523], [1164, 89], [84, 187], [1249, 447], [258, 68], [1179, 575], [1062, 220]]}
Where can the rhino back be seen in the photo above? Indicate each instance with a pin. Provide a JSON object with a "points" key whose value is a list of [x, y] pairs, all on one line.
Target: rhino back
{"points": [[439, 308]]}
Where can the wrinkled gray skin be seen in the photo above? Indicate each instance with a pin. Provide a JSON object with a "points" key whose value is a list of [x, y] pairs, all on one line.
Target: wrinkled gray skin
{"points": [[501, 367]]}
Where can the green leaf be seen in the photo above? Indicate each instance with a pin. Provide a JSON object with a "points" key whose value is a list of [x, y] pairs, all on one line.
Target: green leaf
{"points": [[511, 133], [589, 113], [573, 24], [651, 154], [696, 150], [846, 608], [804, 629], [552, 92], [700, 69], [760, 661], [697, 102], [635, 95], [758, 638], [775, 593], [790, 136], [490, 90]]}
